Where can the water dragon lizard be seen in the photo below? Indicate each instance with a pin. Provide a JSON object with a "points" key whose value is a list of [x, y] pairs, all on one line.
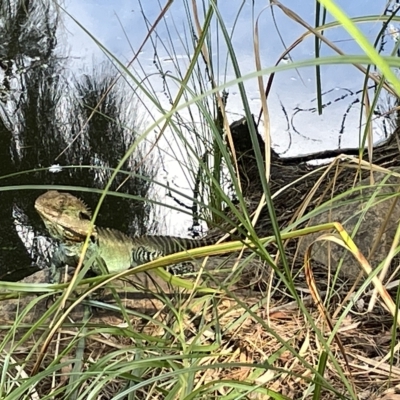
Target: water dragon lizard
{"points": [[68, 219]]}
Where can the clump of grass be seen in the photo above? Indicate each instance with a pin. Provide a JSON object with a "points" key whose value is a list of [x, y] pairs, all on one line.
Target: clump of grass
{"points": [[204, 337]]}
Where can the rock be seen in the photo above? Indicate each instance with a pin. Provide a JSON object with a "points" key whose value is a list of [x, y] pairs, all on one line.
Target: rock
{"points": [[352, 208], [11, 309]]}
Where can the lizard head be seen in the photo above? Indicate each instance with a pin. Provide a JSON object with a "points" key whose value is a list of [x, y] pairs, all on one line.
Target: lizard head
{"points": [[66, 217]]}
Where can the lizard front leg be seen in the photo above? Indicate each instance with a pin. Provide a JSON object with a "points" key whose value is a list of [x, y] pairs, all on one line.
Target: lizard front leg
{"points": [[60, 259]]}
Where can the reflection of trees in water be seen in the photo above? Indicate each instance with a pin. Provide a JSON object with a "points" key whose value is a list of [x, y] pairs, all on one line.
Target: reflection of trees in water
{"points": [[43, 121]]}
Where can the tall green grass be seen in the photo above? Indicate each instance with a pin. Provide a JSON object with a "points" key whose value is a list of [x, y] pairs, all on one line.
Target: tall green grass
{"points": [[195, 133]]}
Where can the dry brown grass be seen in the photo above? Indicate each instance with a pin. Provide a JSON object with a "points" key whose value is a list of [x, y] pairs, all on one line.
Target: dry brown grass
{"points": [[244, 346]]}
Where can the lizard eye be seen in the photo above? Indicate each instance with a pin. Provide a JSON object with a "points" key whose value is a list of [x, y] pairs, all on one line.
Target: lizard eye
{"points": [[85, 216]]}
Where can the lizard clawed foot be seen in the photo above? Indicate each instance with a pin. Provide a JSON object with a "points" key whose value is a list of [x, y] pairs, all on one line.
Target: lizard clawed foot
{"points": [[182, 268]]}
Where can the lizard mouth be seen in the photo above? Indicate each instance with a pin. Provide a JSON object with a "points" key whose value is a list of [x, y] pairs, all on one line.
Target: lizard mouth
{"points": [[63, 233], [74, 236], [60, 231]]}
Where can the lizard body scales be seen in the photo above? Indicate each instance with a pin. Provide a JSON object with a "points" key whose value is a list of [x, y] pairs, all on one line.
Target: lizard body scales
{"points": [[68, 220]]}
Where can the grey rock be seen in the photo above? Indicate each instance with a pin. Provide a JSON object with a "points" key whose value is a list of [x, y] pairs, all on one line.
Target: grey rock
{"points": [[352, 210]]}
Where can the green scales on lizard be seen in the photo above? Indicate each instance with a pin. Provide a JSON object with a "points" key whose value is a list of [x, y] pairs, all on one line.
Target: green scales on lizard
{"points": [[67, 219]]}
